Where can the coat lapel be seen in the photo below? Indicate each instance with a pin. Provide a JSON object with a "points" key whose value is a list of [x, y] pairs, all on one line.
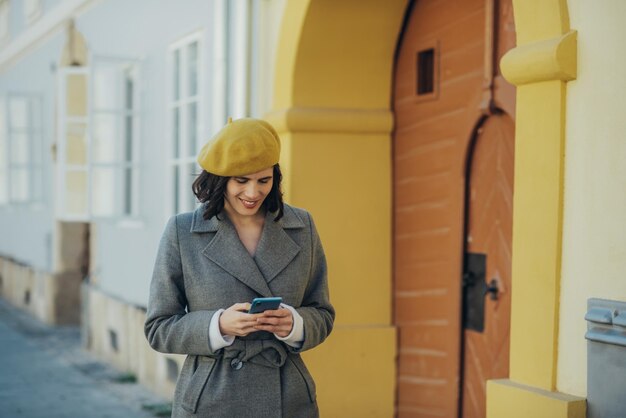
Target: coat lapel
{"points": [[274, 252], [227, 251], [276, 249]]}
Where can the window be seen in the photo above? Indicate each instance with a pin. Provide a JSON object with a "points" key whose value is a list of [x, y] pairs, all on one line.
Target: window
{"points": [[232, 53], [238, 49], [98, 158], [427, 71], [185, 109], [245, 36], [21, 148], [114, 132]]}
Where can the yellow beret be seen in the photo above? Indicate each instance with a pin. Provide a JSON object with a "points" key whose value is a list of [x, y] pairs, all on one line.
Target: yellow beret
{"points": [[243, 146]]}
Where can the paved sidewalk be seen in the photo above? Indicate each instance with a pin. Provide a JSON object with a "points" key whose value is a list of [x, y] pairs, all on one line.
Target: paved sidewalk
{"points": [[44, 373]]}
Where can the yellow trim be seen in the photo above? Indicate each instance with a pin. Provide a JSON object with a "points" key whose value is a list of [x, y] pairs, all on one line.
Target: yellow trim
{"points": [[537, 232], [537, 20], [507, 399], [552, 59], [337, 55], [299, 119], [544, 59], [287, 52], [538, 197]]}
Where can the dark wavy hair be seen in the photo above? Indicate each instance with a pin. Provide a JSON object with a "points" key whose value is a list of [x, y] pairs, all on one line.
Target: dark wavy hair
{"points": [[211, 188]]}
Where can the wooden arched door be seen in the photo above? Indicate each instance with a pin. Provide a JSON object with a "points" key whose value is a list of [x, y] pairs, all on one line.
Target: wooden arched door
{"points": [[440, 87], [486, 279]]}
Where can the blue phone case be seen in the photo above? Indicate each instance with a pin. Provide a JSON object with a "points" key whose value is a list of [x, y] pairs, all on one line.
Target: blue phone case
{"points": [[263, 304]]}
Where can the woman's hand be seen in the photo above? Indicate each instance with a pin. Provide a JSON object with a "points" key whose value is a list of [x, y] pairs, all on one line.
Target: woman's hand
{"points": [[236, 321], [278, 321]]}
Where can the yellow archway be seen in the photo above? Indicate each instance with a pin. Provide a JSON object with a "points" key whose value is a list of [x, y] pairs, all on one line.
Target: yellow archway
{"points": [[332, 101], [332, 107], [541, 64]]}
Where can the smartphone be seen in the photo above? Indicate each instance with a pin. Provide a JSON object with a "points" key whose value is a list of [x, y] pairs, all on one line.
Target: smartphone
{"points": [[263, 304]]}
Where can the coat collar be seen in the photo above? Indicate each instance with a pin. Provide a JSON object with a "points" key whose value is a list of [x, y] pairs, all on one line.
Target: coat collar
{"points": [[290, 220], [274, 252]]}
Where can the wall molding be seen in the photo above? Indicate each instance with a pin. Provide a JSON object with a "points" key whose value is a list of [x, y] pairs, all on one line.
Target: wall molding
{"points": [[329, 120], [550, 59]]}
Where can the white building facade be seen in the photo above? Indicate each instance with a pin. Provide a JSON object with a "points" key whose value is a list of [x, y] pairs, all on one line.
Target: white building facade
{"points": [[103, 108]]}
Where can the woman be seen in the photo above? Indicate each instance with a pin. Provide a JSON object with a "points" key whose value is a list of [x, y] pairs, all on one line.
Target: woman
{"points": [[242, 242]]}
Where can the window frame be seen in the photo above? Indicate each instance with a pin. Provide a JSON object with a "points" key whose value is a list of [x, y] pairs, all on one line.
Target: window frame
{"points": [[119, 165], [133, 67], [178, 201], [33, 134], [63, 168], [235, 27]]}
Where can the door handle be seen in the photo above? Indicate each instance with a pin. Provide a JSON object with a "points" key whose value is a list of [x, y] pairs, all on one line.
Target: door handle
{"points": [[492, 289]]}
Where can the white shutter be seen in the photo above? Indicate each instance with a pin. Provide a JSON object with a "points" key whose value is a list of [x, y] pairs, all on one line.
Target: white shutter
{"points": [[72, 179], [114, 132], [98, 147]]}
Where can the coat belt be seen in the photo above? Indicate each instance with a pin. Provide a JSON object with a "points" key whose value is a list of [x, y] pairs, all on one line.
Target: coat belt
{"points": [[268, 353]]}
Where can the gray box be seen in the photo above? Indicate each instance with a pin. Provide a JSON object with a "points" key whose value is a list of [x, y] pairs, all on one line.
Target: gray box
{"points": [[606, 358]]}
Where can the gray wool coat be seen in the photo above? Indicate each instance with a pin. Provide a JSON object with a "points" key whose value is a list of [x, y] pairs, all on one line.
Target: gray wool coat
{"points": [[202, 266]]}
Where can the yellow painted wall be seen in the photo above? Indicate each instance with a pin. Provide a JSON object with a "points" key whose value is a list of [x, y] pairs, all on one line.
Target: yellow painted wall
{"points": [[350, 202], [536, 233], [332, 95], [344, 53], [541, 65], [594, 225]]}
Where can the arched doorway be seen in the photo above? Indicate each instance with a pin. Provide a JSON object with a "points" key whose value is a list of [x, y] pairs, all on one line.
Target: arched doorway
{"points": [[453, 177], [486, 279]]}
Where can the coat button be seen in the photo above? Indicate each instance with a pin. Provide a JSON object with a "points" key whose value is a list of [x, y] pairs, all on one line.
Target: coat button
{"points": [[236, 364]]}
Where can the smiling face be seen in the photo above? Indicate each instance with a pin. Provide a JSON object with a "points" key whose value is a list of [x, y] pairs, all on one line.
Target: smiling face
{"points": [[245, 194]]}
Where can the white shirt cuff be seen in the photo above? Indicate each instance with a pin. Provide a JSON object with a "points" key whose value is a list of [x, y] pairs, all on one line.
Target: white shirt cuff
{"points": [[296, 336], [216, 339]]}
